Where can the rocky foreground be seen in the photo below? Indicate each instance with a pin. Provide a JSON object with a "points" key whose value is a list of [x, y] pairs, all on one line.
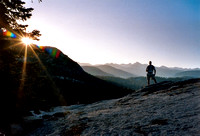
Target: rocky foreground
{"points": [[166, 109]]}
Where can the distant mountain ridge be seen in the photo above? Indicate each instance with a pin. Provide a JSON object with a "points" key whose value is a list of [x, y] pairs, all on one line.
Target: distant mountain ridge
{"points": [[191, 73], [95, 71], [106, 70], [115, 71], [138, 69]]}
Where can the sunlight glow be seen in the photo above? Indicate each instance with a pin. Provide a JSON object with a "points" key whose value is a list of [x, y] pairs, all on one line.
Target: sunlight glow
{"points": [[27, 40], [23, 74]]}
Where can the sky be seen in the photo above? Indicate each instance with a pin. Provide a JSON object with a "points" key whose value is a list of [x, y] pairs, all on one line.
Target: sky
{"points": [[167, 32]]}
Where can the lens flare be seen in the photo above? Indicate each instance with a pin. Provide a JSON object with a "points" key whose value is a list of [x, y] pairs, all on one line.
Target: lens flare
{"points": [[55, 53], [7, 33]]}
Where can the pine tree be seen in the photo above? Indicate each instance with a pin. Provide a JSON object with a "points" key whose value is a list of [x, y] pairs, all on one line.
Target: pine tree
{"points": [[11, 11]]}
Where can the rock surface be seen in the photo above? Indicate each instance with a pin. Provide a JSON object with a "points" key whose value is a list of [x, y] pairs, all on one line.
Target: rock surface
{"points": [[167, 108]]}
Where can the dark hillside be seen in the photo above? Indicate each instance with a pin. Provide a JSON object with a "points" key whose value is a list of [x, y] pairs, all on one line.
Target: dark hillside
{"points": [[45, 81]]}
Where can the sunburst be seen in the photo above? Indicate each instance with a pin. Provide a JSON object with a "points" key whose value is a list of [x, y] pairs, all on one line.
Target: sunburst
{"points": [[27, 40], [20, 39]]}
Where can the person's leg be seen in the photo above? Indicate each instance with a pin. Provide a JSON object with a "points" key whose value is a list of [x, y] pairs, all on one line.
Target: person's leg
{"points": [[154, 79], [148, 79]]}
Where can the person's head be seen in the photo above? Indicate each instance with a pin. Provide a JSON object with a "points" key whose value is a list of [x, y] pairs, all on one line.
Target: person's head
{"points": [[150, 62]]}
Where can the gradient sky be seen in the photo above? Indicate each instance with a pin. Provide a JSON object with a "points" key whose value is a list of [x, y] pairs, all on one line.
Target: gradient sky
{"points": [[166, 32]]}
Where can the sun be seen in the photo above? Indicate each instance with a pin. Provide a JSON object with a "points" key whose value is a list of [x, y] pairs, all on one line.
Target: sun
{"points": [[27, 40]]}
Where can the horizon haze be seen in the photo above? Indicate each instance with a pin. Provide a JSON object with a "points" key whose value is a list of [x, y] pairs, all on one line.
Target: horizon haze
{"points": [[115, 31], [88, 64]]}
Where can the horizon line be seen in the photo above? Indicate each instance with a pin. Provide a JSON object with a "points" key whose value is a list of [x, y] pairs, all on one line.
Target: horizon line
{"points": [[88, 64]]}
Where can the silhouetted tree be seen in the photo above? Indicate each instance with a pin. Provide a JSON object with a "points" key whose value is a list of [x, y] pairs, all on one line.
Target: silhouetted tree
{"points": [[35, 34], [13, 11], [38, 0]]}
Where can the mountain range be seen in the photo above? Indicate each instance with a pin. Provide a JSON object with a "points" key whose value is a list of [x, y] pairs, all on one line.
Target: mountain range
{"points": [[191, 73], [107, 70], [138, 69]]}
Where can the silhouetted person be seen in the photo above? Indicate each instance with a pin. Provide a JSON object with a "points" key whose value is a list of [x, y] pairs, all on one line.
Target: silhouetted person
{"points": [[151, 72]]}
